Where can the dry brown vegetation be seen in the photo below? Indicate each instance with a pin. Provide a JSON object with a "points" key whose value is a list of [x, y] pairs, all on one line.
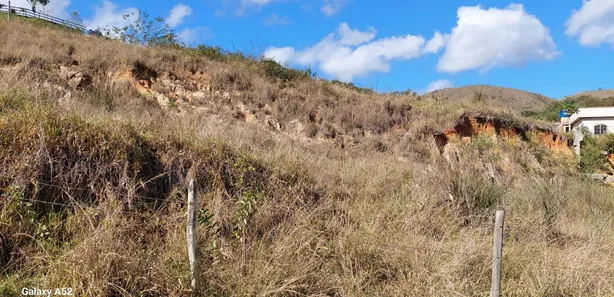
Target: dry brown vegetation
{"points": [[92, 186], [596, 94], [511, 99]]}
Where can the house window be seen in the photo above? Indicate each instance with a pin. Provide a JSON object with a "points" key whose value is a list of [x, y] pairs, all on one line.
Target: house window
{"points": [[567, 129], [601, 129]]}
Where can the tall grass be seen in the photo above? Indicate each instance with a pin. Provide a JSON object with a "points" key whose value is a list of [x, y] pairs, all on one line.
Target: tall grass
{"points": [[93, 191]]}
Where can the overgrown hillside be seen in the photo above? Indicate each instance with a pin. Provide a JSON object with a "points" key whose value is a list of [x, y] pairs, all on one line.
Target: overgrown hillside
{"points": [[514, 100], [307, 187], [596, 93]]}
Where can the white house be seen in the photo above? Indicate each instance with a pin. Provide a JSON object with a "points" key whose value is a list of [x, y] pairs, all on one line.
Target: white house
{"points": [[598, 120]]}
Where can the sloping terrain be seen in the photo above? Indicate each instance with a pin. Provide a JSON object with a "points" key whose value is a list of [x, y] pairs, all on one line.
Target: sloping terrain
{"points": [[510, 99], [307, 187], [595, 93]]}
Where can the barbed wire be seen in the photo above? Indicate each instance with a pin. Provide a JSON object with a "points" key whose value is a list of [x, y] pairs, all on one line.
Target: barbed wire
{"points": [[404, 246], [72, 205], [83, 189]]}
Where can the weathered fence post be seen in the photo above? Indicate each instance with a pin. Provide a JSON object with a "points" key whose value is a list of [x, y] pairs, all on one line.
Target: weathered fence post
{"points": [[9, 12], [497, 252], [191, 234]]}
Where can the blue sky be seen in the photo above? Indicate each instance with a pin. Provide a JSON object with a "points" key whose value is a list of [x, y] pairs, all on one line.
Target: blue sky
{"points": [[555, 48]]}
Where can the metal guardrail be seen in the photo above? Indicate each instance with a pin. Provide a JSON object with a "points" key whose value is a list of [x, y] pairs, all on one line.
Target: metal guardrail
{"points": [[27, 12]]}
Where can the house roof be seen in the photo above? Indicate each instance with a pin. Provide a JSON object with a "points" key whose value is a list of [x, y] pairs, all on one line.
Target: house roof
{"points": [[592, 112]]}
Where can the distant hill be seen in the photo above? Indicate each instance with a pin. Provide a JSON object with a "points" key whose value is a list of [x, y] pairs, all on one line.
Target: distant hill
{"points": [[508, 98], [596, 94], [584, 99]]}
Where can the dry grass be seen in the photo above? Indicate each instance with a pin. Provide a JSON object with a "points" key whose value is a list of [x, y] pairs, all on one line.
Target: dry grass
{"points": [[596, 94], [511, 99], [388, 216]]}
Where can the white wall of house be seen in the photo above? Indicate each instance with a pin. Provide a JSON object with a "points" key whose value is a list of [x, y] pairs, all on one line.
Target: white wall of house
{"points": [[589, 117], [590, 123], [593, 112]]}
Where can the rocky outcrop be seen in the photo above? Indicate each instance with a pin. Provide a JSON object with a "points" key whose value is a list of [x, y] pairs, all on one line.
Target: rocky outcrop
{"points": [[471, 124], [76, 80]]}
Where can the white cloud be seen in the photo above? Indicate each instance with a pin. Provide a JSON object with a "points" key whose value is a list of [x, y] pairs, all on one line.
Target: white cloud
{"points": [[331, 7], [348, 53], [243, 7], [437, 85], [488, 38], [57, 8], [110, 15], [281, 55], [192, 36], [436, 43], [355, 37], [257, 2], [593, 24], [177, 14], [274, 19]]}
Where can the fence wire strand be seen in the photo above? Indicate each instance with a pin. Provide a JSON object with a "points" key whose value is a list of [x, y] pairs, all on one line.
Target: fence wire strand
{"points": [[432, 250]]}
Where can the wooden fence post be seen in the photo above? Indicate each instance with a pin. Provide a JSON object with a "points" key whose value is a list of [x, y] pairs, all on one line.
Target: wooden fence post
{"points": [[191, 234], [497, 252], [9, 12]]}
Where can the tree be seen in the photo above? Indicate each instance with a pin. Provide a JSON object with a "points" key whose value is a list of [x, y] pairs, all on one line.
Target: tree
{"points": [[75, 17], [144, 31], [34, 2], [571, 107]]}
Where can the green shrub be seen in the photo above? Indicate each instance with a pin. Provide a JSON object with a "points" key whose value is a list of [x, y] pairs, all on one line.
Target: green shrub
{"points": [[212, 52], [606, 143], [352, 86], [591, 155], [483, 142], [273, 69], [14, 101]]}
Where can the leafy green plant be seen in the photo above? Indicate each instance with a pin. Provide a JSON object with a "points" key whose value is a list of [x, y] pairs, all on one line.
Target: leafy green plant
{"points": [[205, 217], [606, 143], [591, 155], [483, 142], [244, 208]]}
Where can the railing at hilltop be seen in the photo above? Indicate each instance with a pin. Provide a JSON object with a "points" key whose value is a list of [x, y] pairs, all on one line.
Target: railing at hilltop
{"points": [[27, 12]]}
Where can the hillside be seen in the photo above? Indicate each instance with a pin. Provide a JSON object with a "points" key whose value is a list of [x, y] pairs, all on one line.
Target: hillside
{"points": [[307, 187], [511, 99], [596, 94], [551, 112]]}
